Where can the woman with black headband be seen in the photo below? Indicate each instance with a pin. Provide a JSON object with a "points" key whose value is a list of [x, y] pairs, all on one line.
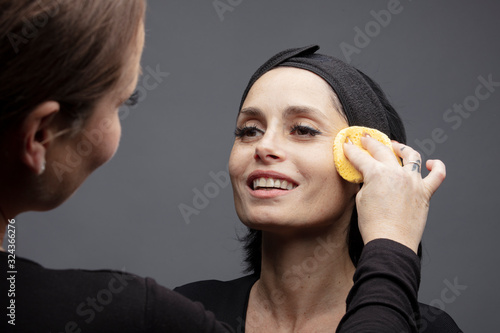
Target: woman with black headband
{"points": [[315, 241], [60, 89]]}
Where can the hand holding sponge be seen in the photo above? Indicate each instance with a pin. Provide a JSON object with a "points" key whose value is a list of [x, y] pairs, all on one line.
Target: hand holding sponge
{"points": [[345, 169]]}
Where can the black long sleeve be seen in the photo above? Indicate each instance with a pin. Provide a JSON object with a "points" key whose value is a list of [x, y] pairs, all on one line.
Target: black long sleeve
{"points": [[384, 296], [48, 300]]}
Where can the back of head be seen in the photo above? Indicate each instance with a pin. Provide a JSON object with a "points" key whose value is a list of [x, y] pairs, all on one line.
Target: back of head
{"points": [[72, 52]]}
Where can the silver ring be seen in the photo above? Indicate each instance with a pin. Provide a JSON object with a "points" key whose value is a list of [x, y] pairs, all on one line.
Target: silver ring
{"points": [[416, 165], [414, 162]]}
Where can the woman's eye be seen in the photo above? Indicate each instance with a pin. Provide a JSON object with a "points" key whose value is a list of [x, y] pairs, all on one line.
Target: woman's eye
{"points": [[304, 130], [248, 131], [133, 99]]}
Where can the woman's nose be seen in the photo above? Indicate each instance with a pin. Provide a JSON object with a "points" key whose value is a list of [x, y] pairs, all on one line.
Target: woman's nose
{"points": [[269, 149]]}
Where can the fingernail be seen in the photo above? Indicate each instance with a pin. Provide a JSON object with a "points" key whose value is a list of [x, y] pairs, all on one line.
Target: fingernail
{"points": [[366, 135], [348, 141]]}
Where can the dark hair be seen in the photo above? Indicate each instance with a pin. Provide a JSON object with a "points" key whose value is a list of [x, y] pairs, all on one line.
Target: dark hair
{"points": [[72, 52], [358, 113]]}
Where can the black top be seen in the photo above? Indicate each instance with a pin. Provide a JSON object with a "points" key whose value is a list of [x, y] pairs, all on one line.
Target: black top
{"points": [[383, 298], [48, 300]]}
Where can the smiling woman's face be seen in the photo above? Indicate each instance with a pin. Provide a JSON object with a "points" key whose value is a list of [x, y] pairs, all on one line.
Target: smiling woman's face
{"points": [[281, 164]]}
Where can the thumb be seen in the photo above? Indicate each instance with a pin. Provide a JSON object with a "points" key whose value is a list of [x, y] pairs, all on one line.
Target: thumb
{"points": [[436, 175]]}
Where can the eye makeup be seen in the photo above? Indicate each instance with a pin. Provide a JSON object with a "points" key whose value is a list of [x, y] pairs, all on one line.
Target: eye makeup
{"points": [[247, 131], [303, 130], [133, 99]]}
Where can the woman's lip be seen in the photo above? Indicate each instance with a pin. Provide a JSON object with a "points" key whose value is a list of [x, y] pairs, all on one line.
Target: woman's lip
{"points": [[268, 174], [266, 194]]}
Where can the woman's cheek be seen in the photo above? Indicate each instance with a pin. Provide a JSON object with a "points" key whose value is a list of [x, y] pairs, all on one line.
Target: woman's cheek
{"points": [[237, 162], [115, 142], [110, 129]]}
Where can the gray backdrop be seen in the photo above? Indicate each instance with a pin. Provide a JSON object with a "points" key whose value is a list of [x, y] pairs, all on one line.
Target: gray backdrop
{"points": [[432, 58]]}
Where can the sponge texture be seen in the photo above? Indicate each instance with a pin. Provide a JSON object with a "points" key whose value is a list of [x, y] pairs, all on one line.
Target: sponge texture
{"points": [[345, 169]]}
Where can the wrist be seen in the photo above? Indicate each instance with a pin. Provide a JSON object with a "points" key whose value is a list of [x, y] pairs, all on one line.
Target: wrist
{"points": [[409, 243]]}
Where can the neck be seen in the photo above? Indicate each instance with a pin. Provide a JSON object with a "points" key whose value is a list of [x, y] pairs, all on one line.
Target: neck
{"points": [[305, 276]]}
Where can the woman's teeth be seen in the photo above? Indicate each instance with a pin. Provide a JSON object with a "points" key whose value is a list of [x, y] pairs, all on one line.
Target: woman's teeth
{"points": [[270, 183]]}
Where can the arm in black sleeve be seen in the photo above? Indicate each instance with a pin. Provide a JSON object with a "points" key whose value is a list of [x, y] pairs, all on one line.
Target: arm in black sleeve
{"points": [[168, 311], [384, 296]]}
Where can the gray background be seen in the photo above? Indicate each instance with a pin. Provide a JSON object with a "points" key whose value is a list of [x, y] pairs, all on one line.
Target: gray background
{"points": [[428, 58]]}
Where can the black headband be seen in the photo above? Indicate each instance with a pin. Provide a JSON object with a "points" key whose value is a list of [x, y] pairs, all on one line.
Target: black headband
{"points": [[356, 92]]}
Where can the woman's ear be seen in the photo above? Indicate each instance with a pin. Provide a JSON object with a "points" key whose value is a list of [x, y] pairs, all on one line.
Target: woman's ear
{"points": [[36, 134]]}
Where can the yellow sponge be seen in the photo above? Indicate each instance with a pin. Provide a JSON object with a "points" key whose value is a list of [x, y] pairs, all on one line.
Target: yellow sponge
{"points": [[345, 169]]}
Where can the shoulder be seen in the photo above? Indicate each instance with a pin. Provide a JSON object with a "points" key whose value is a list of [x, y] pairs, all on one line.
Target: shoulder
{"points": [[226, 299], [102, 301], [435, 320], [79, 281], [216, 288], [37, 278], [85, 298]]}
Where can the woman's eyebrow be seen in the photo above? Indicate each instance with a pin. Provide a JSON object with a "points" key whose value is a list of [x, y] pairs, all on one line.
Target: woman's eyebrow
{"points": [[252, 112], [290, 112], [299, 110]]}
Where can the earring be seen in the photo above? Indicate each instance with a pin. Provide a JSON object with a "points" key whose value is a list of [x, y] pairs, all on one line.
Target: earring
{"points": [[42, 168]]}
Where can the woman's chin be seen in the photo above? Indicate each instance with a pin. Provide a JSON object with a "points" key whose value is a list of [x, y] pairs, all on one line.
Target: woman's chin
{"points": [[274, 223]]}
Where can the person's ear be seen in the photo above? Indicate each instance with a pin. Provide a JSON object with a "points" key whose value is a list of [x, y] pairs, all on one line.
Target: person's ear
{"points": [[37, 135]]}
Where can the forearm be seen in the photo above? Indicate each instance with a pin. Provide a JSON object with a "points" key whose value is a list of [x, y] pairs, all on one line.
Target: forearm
{"points": [[384, 295]]}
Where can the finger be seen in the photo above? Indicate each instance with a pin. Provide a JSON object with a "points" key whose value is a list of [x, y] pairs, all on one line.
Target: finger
{"points": [[411, 158], [358, 158], [378, 150], [436, 175]]}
